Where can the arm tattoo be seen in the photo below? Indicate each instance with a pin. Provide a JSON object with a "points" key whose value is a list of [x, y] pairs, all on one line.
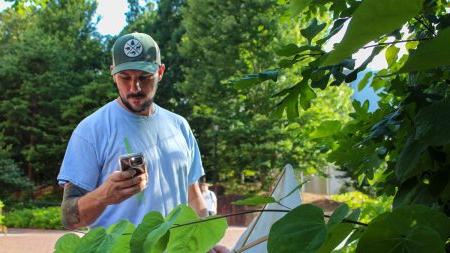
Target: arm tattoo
{"points": [[69, 205]]}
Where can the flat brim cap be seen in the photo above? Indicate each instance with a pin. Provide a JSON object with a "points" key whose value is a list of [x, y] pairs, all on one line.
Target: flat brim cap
{"points": [[135, 51]]}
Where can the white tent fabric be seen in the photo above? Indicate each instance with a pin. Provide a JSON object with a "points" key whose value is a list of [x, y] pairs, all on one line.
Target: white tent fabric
{"points": [[254, 238]]}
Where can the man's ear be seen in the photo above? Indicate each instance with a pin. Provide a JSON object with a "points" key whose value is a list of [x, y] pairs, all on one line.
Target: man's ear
{"points": [[113, 76], [161, 70]]}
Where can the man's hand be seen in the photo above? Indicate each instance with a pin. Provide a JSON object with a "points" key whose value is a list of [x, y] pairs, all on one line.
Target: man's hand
{"points": [[121, 185], [219, 249]]}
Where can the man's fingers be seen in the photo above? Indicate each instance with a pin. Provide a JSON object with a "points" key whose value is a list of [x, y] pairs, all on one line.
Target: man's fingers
{"points": [[122, 175]]}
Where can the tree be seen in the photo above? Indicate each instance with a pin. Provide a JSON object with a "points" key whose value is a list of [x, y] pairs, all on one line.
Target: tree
{"points": [[51, 51], [400, 149]]}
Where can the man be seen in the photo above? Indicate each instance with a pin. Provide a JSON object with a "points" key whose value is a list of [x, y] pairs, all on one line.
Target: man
{"points": [[209, 196], [96, 192]]}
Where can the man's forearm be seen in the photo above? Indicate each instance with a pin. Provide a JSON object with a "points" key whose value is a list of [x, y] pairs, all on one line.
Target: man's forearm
{"points": [[80, 207], [196, 200]]}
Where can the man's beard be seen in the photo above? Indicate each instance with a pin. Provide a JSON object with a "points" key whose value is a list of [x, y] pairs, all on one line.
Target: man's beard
{"points": [[147, 103]]}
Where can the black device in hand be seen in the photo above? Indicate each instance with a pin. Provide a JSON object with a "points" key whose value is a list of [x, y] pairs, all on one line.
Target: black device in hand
{"points": [[135, 161]]}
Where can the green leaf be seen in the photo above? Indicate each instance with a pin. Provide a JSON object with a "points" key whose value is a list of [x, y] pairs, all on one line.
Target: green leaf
{"points": [[301, 230], [413, 192], [292, 49], [322, 82], [372, 19], [91, 241], [433, 124], [117, 238], [151, 222], [312, 30], [391, 54], [252, 79], [254, 201], [335, 236], [430, 54], [407, 229], [196, 238], [307, 94], [339, 215], [377, 83], [327, 128], [406, 165], [67, 243], [362, 84], [297, 6]]}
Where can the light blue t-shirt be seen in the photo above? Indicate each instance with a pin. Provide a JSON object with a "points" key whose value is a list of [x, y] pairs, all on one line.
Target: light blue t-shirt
{"points": [[166, 140]]}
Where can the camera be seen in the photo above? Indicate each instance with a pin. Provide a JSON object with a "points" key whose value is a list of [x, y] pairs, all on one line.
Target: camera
{"points": [[135, 161]]}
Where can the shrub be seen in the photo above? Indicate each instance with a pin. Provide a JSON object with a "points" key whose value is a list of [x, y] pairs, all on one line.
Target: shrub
{"points": [[46, 218], [1, 216], [12, 178], [370, 207]]}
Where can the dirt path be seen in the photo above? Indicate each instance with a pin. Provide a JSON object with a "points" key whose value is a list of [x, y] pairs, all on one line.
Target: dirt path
{"points": [[42, 241]]}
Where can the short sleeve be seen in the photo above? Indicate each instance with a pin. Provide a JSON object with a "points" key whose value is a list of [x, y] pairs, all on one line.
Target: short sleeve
{"points": [[80, 165], [196, 167]]}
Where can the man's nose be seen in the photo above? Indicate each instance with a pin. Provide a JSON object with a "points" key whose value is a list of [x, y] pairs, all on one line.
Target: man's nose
{"points": [[135, 86]]}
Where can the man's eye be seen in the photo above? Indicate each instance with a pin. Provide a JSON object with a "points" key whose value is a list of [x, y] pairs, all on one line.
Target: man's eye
{"points": [[125, 77], [145, 78]]}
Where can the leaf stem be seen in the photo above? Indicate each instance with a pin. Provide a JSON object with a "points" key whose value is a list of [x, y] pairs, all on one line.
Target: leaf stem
{"points": [[256, 211], [397, 41]]}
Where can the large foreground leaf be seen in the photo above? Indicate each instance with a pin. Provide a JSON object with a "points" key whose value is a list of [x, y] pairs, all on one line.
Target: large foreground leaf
{"points": [[151, 222], [68, 243], [195, 238], [372, 19], [433, 124], [407, 229], [301, 230], [430, 54]]}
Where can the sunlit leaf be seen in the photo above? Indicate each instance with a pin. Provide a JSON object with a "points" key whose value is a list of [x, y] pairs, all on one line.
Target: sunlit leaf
{"points": [[68, 243], [297, 6], [91, 241], [196, 238], [117, 238], [151, 221], [307, 94], [430, 54], [326, 128], [391, 54], [372, 19], [254, 201], [362, 84]]}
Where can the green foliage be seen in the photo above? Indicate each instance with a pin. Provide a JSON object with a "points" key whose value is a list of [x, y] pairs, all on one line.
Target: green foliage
{"points": [[11, 177], [2, 217], [407, 229], [51, 51], [382, 16], [256, 200], [180, 231], [45, 218], [370, 207], [430, 54]]}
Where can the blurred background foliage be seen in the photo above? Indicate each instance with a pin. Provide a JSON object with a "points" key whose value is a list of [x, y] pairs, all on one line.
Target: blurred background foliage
{"points": [[55, 71]]}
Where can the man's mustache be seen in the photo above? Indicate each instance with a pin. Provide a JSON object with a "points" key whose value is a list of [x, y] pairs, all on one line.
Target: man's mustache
{"points": [[139, 94]]}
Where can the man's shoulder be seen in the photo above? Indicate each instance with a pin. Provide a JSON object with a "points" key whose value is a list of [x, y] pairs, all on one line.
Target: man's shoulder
{"points": [[96, 119], [172, 116]]}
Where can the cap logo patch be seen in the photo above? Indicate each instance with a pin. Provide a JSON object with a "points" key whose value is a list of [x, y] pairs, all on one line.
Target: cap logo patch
{"points": [[132, 48]]}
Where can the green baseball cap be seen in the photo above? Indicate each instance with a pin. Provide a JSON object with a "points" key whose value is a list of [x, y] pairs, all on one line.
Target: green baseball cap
{"points": [[137, 51]]}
